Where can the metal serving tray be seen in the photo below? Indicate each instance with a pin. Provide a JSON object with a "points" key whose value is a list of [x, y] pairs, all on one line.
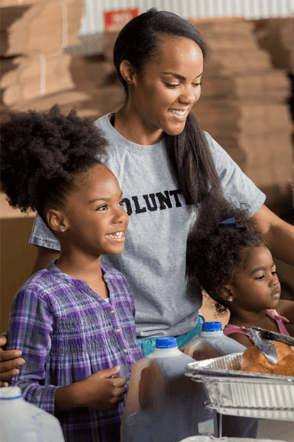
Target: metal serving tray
{"points": [[238, 393]]}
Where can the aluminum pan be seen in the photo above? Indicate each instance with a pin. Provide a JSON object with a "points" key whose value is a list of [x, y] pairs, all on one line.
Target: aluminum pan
{"points": [[241, 393]]}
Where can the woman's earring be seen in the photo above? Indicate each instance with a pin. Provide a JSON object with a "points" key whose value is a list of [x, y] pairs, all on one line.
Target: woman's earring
{"points": [[63, 230], [230, 299]]}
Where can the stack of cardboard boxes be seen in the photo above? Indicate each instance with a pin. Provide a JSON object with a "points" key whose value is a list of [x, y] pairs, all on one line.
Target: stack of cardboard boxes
{"points": [[34, 66], [244, 103]]}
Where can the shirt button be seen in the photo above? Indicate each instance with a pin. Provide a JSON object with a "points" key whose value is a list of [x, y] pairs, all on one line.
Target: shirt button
{"points": [[112, 311], [117, 330], [125, 350]]}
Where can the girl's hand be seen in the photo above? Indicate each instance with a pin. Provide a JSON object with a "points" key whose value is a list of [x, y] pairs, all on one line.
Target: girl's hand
{"points": [[9, 362], [102, 392], [99, 391]]}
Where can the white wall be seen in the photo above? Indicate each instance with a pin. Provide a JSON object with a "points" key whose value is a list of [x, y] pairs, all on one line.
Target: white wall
{"points": [[92, 22]]}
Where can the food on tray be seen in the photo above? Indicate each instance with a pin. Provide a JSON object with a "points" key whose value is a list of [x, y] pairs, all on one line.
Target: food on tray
{"points": [[254, 361], [286, 366]]}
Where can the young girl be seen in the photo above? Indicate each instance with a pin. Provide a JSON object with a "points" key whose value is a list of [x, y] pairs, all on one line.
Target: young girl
{"points": [[232, 262], [73, 322]]}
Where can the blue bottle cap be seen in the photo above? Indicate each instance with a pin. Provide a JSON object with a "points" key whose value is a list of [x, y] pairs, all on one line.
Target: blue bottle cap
{"points": [[212, 326], [166, 343]]}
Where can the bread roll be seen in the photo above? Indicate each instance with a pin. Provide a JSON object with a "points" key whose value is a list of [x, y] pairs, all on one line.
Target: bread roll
{"points": [[254, 361]]}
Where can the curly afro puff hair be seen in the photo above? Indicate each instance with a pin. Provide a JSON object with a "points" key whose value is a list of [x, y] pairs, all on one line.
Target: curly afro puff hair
{"points": [[215, 253], [41, 153]]}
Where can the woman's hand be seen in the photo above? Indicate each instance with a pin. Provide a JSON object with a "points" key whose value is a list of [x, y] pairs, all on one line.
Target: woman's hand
{"points": [[9, 362], [99, 391]]}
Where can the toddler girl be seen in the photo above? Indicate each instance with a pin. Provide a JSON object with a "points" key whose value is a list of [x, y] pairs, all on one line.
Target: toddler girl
{"points": [[230, 259], [74, 321]]}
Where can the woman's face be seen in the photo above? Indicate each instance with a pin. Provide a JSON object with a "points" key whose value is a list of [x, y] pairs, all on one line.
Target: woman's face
{"points": [[164, 92]]}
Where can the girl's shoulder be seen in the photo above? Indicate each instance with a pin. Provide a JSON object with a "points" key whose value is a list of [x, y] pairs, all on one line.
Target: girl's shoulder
{"points": [[239, 334], [38, 279], [42, 283]]}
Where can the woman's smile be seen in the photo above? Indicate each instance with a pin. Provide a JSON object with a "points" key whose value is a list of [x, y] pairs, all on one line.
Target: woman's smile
{"points": [[162, 95]]}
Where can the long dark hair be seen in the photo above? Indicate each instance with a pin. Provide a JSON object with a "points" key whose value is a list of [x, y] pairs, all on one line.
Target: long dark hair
{"points": [[188, 152]]}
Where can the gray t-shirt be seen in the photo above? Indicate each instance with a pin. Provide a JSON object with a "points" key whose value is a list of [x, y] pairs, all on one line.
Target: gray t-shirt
{"points": [[153, 259]]}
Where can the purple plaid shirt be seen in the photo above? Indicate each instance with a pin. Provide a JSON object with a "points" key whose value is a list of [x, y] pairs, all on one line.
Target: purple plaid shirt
{"points": [[67, 332]]}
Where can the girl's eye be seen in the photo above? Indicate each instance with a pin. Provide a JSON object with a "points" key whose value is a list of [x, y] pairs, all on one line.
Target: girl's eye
{"points": [[100, 208], [274, 272], [122, 203], [196, 84], [260, 278]]}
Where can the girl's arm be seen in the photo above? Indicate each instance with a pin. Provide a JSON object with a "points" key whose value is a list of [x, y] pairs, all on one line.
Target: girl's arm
{"points": [[30, 327], [279, 234], [242, 339], [99, 391], [10, 361]]}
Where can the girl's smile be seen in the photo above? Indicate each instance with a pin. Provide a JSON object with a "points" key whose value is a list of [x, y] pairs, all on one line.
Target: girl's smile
{"points": [[117, 236]]}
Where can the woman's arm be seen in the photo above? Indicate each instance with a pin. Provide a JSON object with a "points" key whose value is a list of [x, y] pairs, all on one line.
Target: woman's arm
{"points": [[43, 259], [286, 308], [279, 234]]}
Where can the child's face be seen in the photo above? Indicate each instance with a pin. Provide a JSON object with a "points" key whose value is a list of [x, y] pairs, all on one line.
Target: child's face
{"points": [[95, 216], [257, 286]]}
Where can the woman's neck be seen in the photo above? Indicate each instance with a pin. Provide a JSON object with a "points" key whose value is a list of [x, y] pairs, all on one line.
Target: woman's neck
{"points": [[129, 124]]}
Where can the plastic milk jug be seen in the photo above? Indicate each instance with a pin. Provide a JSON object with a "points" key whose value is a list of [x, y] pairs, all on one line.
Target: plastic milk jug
{"points": [[162, 403], [212, 343], [23, 422]]}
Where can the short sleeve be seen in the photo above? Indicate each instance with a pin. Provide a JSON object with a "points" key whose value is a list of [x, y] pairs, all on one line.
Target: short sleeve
{"points": [[236, 186], [41, 236]]}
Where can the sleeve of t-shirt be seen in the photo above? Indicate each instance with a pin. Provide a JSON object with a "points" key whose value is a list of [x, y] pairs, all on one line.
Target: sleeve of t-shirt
{"points": [[41, 236], [236, 186]]}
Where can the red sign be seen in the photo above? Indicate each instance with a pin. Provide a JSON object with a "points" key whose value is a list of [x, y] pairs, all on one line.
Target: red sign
{"points": [[116, 19]]}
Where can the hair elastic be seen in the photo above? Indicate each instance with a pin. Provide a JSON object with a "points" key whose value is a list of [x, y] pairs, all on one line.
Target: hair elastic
{"points": [[231, 222]]}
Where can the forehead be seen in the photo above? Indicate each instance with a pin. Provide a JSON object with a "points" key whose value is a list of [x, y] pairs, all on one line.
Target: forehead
{"points": [[96, 176], [259, 256], [177, 51]]}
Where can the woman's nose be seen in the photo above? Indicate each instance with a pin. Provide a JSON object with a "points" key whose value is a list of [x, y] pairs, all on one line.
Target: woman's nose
{"points": [[190, 95]]}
